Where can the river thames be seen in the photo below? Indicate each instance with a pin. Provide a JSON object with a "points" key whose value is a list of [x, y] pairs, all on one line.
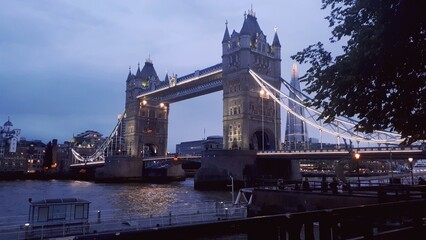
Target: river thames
{"points": [[123, 198]]}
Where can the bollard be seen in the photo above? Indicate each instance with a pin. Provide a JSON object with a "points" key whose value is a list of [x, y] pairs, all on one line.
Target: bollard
{"points": [[99, 216]]}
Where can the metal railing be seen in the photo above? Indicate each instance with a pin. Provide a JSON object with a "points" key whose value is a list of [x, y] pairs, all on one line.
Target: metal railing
{"points": [[101, 222]]}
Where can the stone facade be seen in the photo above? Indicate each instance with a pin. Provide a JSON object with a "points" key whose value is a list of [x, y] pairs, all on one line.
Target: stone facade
{"points": [[9, 138], [146, 121], [251, 121]]}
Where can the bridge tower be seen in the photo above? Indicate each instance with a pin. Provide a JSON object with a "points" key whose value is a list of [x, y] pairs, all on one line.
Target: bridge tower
{"points": [[251, 120], [146, 122]]}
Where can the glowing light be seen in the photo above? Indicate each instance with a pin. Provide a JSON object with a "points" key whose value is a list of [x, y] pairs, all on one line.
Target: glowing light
{"points": [[357, 156]]}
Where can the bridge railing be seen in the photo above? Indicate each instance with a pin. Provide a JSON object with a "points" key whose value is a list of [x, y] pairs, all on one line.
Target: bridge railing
{"points": [[197, 73], [118, 221], [360, 149]]}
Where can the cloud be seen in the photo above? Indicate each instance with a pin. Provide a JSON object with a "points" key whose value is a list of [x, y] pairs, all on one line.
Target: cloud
{"points": [[64, 63]]}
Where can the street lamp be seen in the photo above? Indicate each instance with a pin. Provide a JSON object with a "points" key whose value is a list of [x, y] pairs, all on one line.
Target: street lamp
{"points": [[357, 157], [275, 127], [263, 124], [410, 159]]}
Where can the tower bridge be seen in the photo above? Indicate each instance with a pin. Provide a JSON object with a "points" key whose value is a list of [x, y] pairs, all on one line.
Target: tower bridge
{"points": [[250, 78]]}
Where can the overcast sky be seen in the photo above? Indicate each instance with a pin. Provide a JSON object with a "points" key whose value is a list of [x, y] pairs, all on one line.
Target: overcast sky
{"points": [[64, 63]]}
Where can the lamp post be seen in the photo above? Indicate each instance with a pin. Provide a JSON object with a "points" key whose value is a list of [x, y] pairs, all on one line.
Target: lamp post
{"points": [[232, 188], [275, 127], [357, 157], [263, 124], [410, 159]]}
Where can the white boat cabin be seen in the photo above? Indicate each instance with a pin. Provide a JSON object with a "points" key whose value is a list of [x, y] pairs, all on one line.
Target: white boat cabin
{"points": [[58, 211]]}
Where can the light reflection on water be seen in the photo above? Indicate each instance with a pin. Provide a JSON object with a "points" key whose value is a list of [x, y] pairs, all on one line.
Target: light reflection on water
{"points": [[141, 198]]}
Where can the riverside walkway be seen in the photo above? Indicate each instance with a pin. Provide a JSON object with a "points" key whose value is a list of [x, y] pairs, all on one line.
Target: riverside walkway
{"points": [[116, 223]]}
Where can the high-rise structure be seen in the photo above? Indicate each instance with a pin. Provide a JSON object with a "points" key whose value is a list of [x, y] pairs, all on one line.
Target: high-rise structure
{"points": [[146, 122], [296, 133], [251, 120]]}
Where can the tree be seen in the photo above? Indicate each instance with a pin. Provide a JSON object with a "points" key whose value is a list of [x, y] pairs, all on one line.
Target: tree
{"points": [[381, 76]]}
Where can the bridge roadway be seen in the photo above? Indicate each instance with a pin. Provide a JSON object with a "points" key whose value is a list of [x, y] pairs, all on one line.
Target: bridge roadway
{"points": [[377, 153], [196, 84], [370, 153], [97, 164]]}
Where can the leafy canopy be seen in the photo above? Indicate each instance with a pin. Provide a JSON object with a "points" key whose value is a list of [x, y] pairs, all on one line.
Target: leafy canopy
{"points": [[381, 76]]}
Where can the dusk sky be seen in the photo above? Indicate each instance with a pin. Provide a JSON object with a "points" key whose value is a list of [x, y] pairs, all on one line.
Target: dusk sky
{"points": [[64, 63]]}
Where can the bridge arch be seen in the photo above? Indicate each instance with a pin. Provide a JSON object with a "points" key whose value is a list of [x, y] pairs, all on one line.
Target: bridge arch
{"points": [[150, 150], [269, 140]]}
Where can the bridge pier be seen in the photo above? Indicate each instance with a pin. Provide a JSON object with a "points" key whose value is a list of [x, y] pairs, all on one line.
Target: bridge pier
{"points": [[245, 166], [120, 168]]}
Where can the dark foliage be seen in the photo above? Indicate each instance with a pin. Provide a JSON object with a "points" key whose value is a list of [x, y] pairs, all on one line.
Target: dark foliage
{"points": [[381, 76]]}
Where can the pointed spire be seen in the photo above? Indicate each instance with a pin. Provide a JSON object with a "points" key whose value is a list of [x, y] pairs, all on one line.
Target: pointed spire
{"points": [[276, 41], [149, 59], [251, 12], [226, 36], [130, 73], [167, 76], [139, 69], [294, 73]]}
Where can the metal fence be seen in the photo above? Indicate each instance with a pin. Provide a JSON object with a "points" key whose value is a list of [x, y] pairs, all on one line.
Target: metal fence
{"points": [[116, 221]]}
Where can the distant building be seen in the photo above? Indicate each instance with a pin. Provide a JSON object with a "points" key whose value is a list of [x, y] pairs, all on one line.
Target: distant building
{"points": [[87, 142], [9, 138], [64, 156], [33, 152], [194, 148], [11, 160], [296, 132]]}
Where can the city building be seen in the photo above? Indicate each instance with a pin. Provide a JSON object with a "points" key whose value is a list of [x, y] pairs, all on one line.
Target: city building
{"points": [[11, 160], [296, 132], [194, 148], [64, 156], [87, 142], [33, 152], [9, 138]]}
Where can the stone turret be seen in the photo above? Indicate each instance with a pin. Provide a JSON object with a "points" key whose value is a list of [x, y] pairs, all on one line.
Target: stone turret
{"points": [[242, 104], [146, 122]]}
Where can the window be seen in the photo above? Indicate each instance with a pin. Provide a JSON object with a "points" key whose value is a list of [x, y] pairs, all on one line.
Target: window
{"points": [[79, 212], [58, 212], [42, 214]]}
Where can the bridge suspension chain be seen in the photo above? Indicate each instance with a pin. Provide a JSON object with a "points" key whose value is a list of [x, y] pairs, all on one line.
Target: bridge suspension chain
{"points": [[113, 143], [340, 127]]}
